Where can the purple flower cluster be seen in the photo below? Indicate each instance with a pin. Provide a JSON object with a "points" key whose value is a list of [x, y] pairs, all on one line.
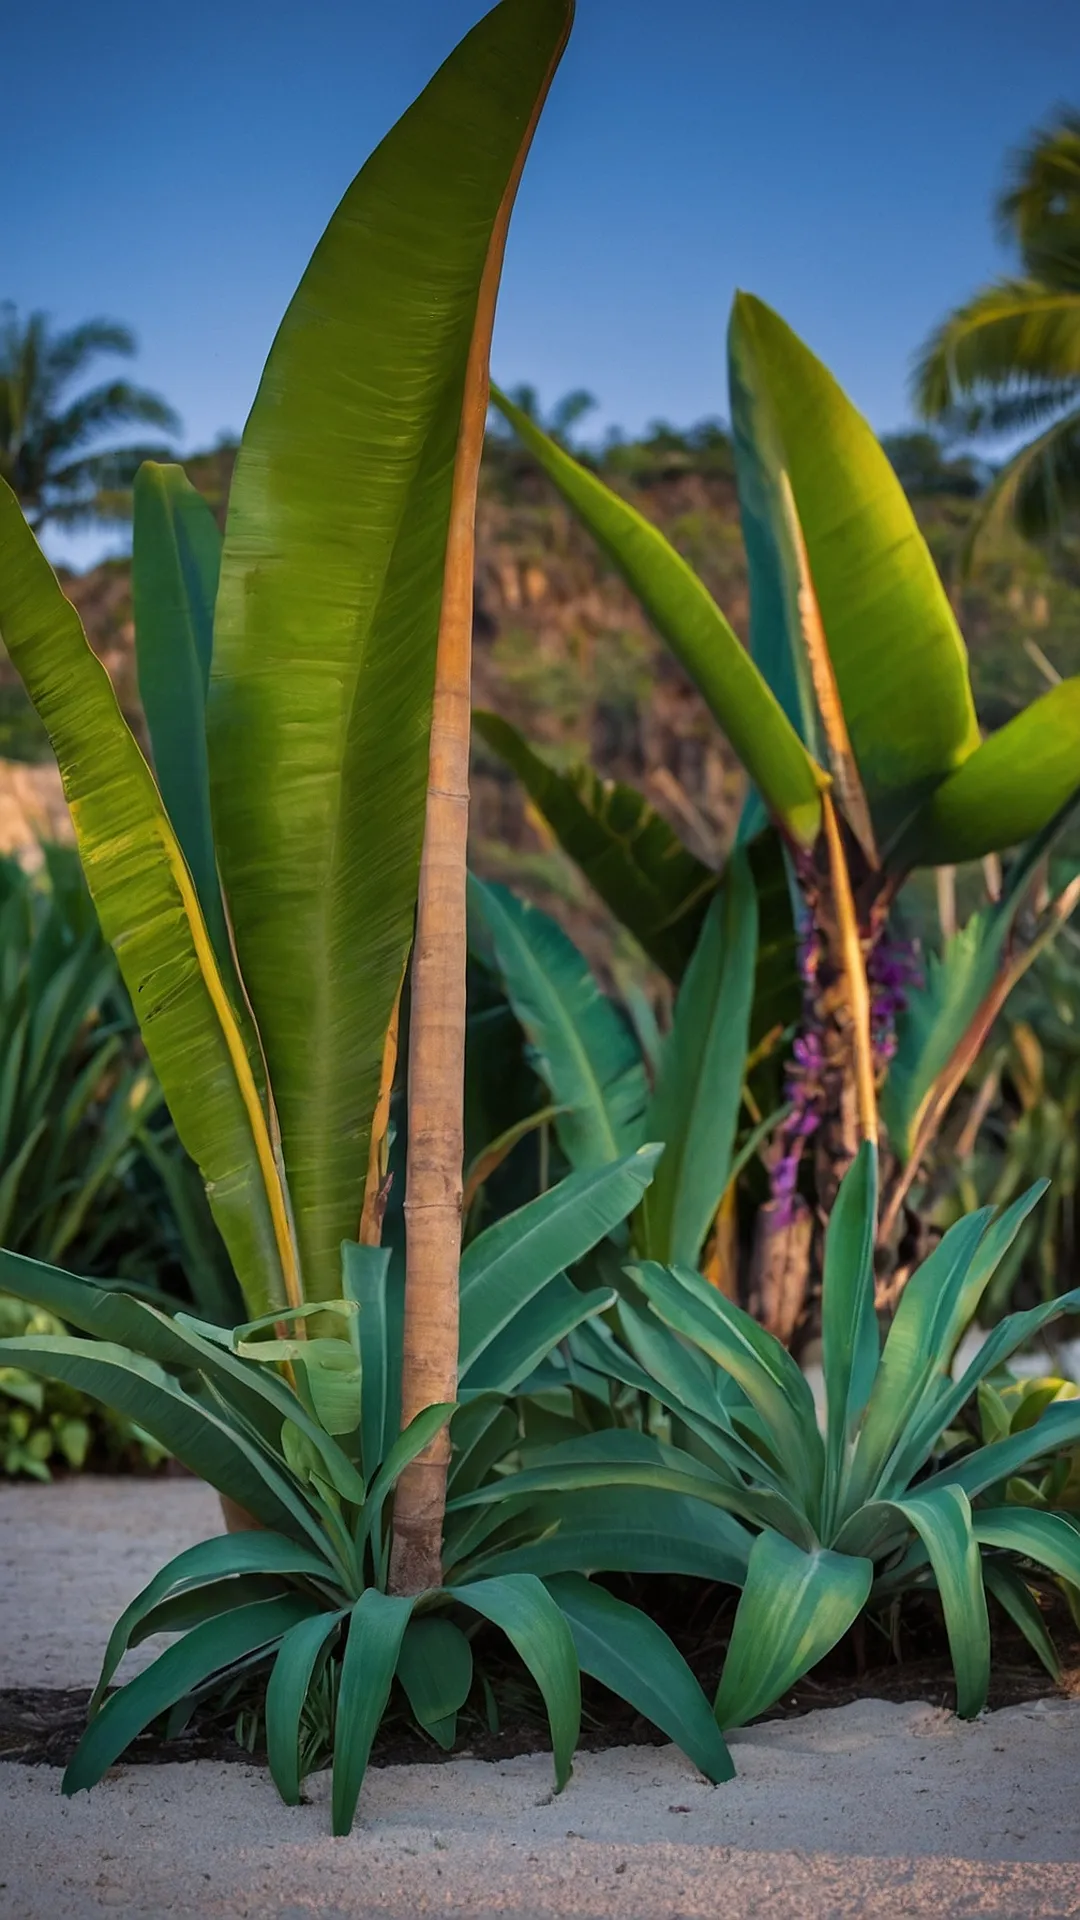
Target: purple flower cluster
{"points": [[804, 1085], [892, 970]]}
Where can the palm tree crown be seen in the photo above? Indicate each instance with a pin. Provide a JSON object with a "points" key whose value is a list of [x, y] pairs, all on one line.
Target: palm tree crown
{"points": [[50, 452], [1009, 358]]}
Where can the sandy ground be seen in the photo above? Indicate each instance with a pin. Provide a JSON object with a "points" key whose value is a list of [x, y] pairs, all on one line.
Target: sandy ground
{"points": [[873, 1809]]}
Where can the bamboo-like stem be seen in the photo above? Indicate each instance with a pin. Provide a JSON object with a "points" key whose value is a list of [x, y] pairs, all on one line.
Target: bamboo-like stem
{"points": [[841, 756], [433, 1176], [853, 965]]}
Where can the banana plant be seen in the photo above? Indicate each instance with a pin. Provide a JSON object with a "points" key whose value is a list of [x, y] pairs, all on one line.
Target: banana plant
{"points": [[853, 716], [302, 1606], [879, 1504], [303, 686]]}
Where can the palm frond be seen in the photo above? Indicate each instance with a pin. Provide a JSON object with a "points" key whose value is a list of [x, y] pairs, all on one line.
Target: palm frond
{"points": [[1009, 337], [1035, 491]]}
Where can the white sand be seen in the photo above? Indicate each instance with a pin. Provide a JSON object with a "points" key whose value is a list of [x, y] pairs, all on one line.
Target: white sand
{"points": [[872, 1809]]}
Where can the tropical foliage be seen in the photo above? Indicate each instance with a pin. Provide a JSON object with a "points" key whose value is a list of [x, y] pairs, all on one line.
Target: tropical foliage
{"points": [[888, 1500], [303, 1435], [1008, 360], [51, 452], [853, 717]]}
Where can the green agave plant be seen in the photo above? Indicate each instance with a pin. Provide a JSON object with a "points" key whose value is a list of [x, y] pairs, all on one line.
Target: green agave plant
{"points": [[853, 716], [883, 1502], [301, 1604]]}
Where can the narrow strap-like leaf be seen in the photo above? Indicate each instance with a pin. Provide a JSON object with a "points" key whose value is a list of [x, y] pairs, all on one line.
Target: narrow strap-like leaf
{"points": [[376, 1629], [684, 612], [942, 1518], [435, 1667], [652, 884], [207, 1649], [695, 1108], [850, 1342], [628, 1652], [286, 1693], [1013, 1593], [522, 1607], [581, 1045], [794, 1607], [258, 1551], [507, 1265]]}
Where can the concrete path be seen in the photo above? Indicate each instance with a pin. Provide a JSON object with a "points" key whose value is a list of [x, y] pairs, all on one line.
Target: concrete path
{"points": [[873, 1810]]}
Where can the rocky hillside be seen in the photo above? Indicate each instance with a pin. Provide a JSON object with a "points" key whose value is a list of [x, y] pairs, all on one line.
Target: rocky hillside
{"points": [[563, 651]]}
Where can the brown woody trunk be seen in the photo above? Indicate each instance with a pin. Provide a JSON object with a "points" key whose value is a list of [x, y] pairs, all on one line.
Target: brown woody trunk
{"points": [[433, 1175]]}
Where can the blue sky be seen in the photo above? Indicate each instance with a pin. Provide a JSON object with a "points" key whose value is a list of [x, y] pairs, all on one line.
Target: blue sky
{"points": [[175, 166]]}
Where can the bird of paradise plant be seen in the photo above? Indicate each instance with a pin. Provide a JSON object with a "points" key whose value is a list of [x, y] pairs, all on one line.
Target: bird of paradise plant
{"points": [[853, 716]]}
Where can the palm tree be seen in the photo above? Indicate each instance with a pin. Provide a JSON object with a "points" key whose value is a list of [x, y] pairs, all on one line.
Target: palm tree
{"points": [[50, 451], [1009, 358]]}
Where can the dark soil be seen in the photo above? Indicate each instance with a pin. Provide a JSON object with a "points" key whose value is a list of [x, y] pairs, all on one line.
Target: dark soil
{"points": [[41, 1726]]}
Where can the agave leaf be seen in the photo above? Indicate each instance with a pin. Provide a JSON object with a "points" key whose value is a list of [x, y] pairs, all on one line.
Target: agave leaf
{"points": [[619, 1530], [850, 1344], [376, 1629], [899, 660], [653, 885], [553, 1313], [211, 1648], [765, 1371], [695, 1108], [580, 1044], [1014, 1594], [435, 1667], [208, 1563], [911, 1361], [149, 911], [941, 1516], [1008, 790], [523, 1609], [176, 559], [331, 592], [688, 618], [135, 1387], [180, 1345], [290, 1681], [366, 1280], [794, 1607], [1058, 1427], [1051, 1540], [505, 1267], [628, 1652]]}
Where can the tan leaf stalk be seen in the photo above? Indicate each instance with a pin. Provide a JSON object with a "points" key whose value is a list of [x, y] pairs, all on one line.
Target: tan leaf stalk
{"points": [[841, 755], [433, 1176], [853, 967], [371, 1217]]}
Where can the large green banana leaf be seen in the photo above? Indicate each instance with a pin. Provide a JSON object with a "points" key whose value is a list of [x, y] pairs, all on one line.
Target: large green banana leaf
{"points": [[653, 885], [695, 1108], [331, 591], [176, 559], [149, 910], [898, 655], [1008, 790], [580, 1043], [688, 618]]}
